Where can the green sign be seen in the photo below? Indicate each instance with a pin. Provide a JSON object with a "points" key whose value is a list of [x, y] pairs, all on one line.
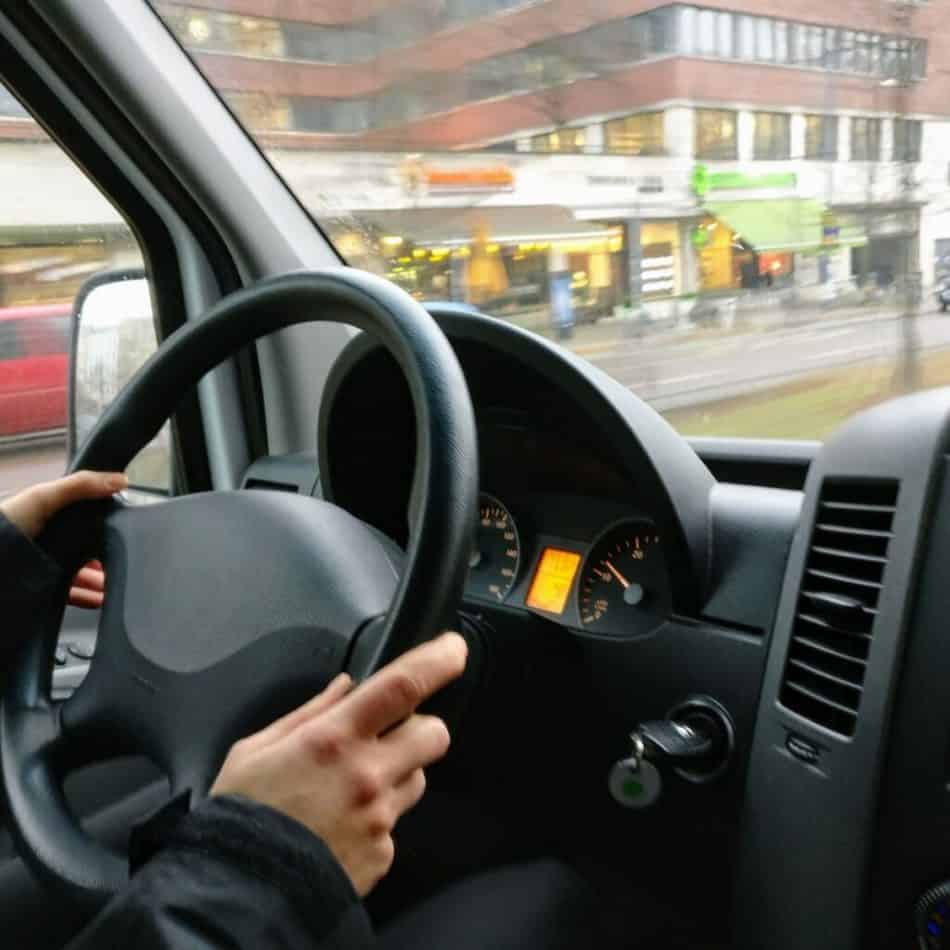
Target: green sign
{"points": [[704, 180], [700, 180], [700, 236]]}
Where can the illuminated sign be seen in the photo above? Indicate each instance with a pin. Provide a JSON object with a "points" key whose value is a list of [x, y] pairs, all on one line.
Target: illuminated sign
{"points": [[703, 180], [416, 176], [552, 580]]}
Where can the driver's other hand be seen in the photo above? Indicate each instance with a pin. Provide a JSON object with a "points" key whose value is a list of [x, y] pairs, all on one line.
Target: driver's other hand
{"points": [[31, 509], [88, 587], [350, 762]]}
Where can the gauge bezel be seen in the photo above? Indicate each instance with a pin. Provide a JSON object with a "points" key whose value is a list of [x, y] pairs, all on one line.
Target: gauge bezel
{"points": [[639, 522], [487, 598]]}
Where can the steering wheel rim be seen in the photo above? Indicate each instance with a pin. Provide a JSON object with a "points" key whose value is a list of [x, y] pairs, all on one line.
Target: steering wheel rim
{"points": [[35, 739]]}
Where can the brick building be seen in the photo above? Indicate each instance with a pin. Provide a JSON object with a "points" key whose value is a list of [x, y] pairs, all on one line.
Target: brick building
{"points": [[487, 149]]}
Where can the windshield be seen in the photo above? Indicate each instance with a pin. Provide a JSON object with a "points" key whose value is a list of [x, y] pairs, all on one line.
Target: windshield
{"points": [[741, 215]]}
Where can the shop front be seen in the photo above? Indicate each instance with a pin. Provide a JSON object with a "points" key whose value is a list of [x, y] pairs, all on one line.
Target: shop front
{"points": [[745, 245], [512, 262], [891, 248]]}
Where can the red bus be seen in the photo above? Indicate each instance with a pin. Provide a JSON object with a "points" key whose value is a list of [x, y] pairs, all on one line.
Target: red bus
{"points": [[34, 357]]}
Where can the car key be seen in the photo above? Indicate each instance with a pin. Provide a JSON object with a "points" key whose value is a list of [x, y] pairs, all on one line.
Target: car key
{"points": [[634, 782]]}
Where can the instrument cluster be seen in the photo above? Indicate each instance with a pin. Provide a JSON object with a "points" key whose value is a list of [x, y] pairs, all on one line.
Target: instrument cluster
{"points": [[612, 581]]}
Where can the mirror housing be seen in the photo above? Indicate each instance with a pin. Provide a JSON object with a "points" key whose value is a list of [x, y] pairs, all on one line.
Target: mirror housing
{"points": [[111, 335]]}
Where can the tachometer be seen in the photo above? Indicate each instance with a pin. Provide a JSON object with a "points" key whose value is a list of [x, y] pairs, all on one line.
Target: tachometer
{"points": [[624, 587], [494, 562]]}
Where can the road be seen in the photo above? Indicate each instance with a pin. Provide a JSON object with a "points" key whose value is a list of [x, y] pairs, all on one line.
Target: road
{"points": [[668, 371], [716, 365], [30, 463]]}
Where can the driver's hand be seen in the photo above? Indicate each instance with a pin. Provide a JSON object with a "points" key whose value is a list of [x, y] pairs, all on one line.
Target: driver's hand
{"points": [[350, 762], [30, 510]]}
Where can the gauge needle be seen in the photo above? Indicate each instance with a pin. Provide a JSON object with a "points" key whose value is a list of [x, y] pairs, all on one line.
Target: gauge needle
{"points": [[623, 580]]}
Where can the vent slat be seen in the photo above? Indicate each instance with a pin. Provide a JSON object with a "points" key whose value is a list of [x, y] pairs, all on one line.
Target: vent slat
{"points": [[867, 609], [850, 555], [814, 670], [819, 647], [860, 532], [841, 585], [852, 506], [863, 633], [824, 700], [842, 578]]}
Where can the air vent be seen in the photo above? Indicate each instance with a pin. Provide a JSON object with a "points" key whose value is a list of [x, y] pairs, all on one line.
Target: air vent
{"points": [[838, 601], [273, 486]]}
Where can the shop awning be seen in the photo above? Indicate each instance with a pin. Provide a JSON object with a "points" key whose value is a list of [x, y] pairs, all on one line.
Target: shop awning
{"points": [[455, 226], [780, 224]]}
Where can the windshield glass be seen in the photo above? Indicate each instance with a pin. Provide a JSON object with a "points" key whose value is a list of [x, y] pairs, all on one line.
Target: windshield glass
{"points": [[741, 215]]}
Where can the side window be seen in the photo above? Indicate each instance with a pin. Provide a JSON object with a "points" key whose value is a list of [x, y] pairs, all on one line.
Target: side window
{"points": [[57, 232]]}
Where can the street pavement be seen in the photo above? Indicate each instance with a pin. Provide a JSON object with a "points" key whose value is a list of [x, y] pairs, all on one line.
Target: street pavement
{"points": [[715, 364], [669, 369], [29, 463]]}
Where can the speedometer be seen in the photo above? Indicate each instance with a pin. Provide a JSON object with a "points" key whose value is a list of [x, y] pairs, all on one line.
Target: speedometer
{"points": [[624, 587], [494, 561]]}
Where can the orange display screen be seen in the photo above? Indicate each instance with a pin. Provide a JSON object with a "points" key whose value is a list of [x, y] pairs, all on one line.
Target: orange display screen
{"points": [[552, 580]]}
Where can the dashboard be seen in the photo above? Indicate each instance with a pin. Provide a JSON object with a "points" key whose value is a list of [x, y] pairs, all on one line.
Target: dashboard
{"points": [[561, 531], [616, 583]]}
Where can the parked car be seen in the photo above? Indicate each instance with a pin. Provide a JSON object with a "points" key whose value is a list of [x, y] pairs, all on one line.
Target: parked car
{"points": [[34, 357]]}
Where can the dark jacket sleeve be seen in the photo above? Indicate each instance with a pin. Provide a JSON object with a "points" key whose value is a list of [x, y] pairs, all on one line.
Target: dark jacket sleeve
{"points": [[235, 874], [28, 575]]}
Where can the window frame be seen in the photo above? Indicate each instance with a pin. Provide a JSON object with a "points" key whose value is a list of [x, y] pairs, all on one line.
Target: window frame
{"points": [[900, 148], [821, 154], [716, 154], [867, 123], [771, 153], [650, 115]]}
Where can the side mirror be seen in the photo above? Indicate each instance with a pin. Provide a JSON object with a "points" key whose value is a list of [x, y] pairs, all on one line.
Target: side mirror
{"points": [[113, 333]]}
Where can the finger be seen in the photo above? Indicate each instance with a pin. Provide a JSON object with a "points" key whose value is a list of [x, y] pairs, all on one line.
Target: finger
{"points": [[91, 579], [333, 693], [393, 693], [87, 599], [82, 486], [408, 792], [417, 743]]}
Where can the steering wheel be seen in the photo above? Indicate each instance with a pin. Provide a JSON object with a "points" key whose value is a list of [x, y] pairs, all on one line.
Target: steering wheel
{"points": [[226, 609]]}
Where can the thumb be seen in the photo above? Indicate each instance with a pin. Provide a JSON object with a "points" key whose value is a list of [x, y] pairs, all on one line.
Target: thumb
{"points": [[82, 486], [31, 509]]}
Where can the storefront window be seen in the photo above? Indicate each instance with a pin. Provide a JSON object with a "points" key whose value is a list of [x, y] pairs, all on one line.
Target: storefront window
{"points": [[560, 140], [865, 139], [772, 138], [821, 137], [261, 111], [715, 134], [313, 114], [640, 134], [907, 140], [225, 32]]}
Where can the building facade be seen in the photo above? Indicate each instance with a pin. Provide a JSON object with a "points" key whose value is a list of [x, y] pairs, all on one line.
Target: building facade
{"points": [[557, 155]]}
